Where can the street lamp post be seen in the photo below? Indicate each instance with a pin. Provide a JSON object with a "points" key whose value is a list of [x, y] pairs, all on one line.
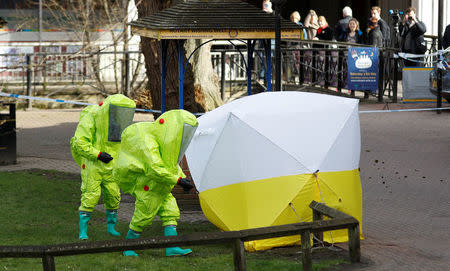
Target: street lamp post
{"points": [[439, 71], [40, 25]]}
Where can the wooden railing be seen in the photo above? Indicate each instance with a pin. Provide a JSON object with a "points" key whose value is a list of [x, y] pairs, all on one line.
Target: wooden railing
{"points": [[338, 220]]}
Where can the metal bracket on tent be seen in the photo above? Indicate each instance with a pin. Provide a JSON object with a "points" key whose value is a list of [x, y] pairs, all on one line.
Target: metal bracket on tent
{"points": [[315, 173]]}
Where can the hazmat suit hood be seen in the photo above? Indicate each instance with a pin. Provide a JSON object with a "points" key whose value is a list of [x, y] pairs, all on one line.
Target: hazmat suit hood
{"points": [[114, 115], [100, 127], [174, 132]]}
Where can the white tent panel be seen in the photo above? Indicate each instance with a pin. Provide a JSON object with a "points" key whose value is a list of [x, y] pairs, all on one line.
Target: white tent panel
{"points": [[305, 126], [346, 149], [241, 155], [203, 143], [306, 136]]}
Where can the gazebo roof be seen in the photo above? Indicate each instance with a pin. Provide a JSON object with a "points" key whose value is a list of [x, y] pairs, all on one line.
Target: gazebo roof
{"points": [[213, 19]]}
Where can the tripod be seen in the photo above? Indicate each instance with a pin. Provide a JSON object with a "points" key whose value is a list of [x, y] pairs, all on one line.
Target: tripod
{"points": [[390, 65]]}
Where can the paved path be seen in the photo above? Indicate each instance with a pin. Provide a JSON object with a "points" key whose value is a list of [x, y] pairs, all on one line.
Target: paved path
{"points": [[405, 170]]}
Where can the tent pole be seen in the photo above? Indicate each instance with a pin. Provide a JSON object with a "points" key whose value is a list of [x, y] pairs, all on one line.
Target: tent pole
{"points": [[439, 71]]}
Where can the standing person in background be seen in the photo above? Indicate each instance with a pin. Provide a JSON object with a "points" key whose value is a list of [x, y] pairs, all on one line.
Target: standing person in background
{"points": [[384, 27], [267, 6], [446, 37], [94, 146], [413, 42], [311, 24], [353, 34], [295, 18], [3, 23], [341, 26], [374, 35], [293, 63], [374, 38], [324, 32]]}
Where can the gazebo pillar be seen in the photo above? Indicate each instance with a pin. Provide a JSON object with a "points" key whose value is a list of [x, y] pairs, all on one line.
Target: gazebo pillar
{"points": [[181, 74], [250, 49], [268, 69], [163, 74]]}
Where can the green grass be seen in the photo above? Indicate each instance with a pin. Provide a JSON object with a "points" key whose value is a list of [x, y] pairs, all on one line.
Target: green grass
{"points": [[40, 208]]}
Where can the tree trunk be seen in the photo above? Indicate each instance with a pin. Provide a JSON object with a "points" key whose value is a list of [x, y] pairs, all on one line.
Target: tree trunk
{"points": [[195, 99], [206, 80]]}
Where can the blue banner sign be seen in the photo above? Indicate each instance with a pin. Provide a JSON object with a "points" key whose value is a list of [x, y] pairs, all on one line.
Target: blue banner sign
{"points": [[362, 68]]}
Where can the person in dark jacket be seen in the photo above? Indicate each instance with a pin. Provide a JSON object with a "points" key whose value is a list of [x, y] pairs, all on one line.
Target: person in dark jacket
{"points": [[374, 35], [446, 37], [2, 22], [411, 32], [341, 26], [384, 27], [353, 34], [324, 32]]}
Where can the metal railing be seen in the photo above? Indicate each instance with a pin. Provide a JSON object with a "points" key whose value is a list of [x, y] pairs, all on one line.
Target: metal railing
{"points": [[320, 64], [304, 63], [99, 71], [337, 220]]}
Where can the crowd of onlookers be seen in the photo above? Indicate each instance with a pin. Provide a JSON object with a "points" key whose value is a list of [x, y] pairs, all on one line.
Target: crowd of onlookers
{"points": [[347, 29], [375, 32]]}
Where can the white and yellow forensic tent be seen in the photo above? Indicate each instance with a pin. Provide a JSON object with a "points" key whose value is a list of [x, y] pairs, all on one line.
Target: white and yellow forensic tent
{"points": [[260, 160]]}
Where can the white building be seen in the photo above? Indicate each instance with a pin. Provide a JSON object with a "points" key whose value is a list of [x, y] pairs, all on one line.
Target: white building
{"points": [[21, 36], [428, 13]]}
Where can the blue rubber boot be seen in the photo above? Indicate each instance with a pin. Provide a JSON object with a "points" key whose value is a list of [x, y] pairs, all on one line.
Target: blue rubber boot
{"points": [[111, 221], [84, 218], [131, 235], [171, 230]]}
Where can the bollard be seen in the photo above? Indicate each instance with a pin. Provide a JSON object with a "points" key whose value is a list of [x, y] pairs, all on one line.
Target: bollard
{"points": [[28, 60], [8, 145], [439, 90]]}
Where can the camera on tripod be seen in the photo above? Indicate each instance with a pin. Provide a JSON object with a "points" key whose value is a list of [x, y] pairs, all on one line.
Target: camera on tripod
{"points": [[395, 15]]}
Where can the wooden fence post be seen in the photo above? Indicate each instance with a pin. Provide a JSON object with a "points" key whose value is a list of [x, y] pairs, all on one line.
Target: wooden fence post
{"points": [[306, 251], [317, 216], [354, 243], [239, 256], [48, 262]]}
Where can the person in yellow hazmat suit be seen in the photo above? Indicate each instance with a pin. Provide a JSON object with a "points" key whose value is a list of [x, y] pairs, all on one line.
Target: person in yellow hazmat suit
{"points": [[94, 147], [148, 168]]}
